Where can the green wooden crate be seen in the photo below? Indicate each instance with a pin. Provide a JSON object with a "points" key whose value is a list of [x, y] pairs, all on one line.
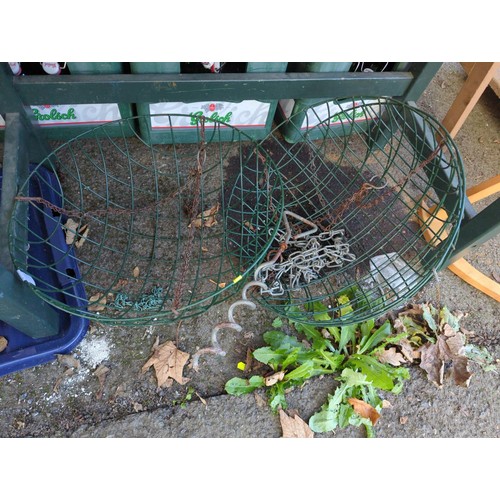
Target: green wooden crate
{"points": [[252, 116], [65, 121], [295, 117]]}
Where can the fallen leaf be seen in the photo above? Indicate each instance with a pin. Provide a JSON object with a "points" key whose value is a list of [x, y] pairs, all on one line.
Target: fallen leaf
{"points": [[415, 309], [67, 373], [398, 326], [121, 283], [259, 400], [220, 285], [138, 407], [391, 356], [249, 225], [206, 218], [403, 420], [101, 373], [75, 233], [97, 302], [407, 350], [71, 230], [136, 272], [386, 404], [204, 401], [431, 361], [68, 361], [294, 427], [364, 410], [274, 378], [120, 391], [448, 347], [3, 344], [168, 362], [82, 236], [19, 424]]}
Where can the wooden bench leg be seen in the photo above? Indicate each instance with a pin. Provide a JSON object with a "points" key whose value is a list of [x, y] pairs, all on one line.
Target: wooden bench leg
{"points": [[480, 75], [433, 221]]}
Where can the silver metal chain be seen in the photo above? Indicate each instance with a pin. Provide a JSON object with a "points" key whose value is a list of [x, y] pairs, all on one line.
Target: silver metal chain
{"points": [[315, 252]]}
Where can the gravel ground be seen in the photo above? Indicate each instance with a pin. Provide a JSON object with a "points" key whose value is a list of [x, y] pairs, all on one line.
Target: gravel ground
{"points": [[38, 402]]}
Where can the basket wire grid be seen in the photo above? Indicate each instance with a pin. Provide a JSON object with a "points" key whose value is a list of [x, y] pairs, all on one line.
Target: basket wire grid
{"points": [[371, 175], [157, 233]]}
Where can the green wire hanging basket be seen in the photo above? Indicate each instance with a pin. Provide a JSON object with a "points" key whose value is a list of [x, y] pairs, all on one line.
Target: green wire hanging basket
{"points": [[158, 233], [374, 196]]}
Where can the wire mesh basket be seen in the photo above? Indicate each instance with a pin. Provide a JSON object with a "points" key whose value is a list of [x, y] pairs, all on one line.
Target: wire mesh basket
{"points": [[366, 180], [155, 232]]}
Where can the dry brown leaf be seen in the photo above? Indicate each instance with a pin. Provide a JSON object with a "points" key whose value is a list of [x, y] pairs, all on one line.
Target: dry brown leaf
{"points": [[68, 361], [399, 326], [415, 309], [138, 407], [259, 400], [403, 420], [97, 302], [75, 235], [168, 362], [71, 230], [67, 373], [20, 424], [3, 344], [121, 283], [136, 272], [101, 373], [204, 401], [407, 350], [294, 427], [391, 356], [364, 410], [274, 378], [431, 361], [82, 236], [448, 347], [206, 218], [220, 285], [120, 391], [204, 249], [386, 404], [249, 225]]}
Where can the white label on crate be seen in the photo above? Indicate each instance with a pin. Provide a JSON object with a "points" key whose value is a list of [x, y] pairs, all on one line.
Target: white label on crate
{"points": [[286, 106], [75, 114], [341, 112], [2, 122], [237, 114]]}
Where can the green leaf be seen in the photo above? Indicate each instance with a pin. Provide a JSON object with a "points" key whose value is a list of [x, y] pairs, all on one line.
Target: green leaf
{"points": [[375, 372], [277, 323], [291, 358], [277, 397], [367, 327], [238, 386], [323, 421], [333, 360], [368, 343], [303, 372], [446, 317], [429, 318], [344, 300], [327, 418], [280, 340], [269, 356], [352, 378], [347, 334]]}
